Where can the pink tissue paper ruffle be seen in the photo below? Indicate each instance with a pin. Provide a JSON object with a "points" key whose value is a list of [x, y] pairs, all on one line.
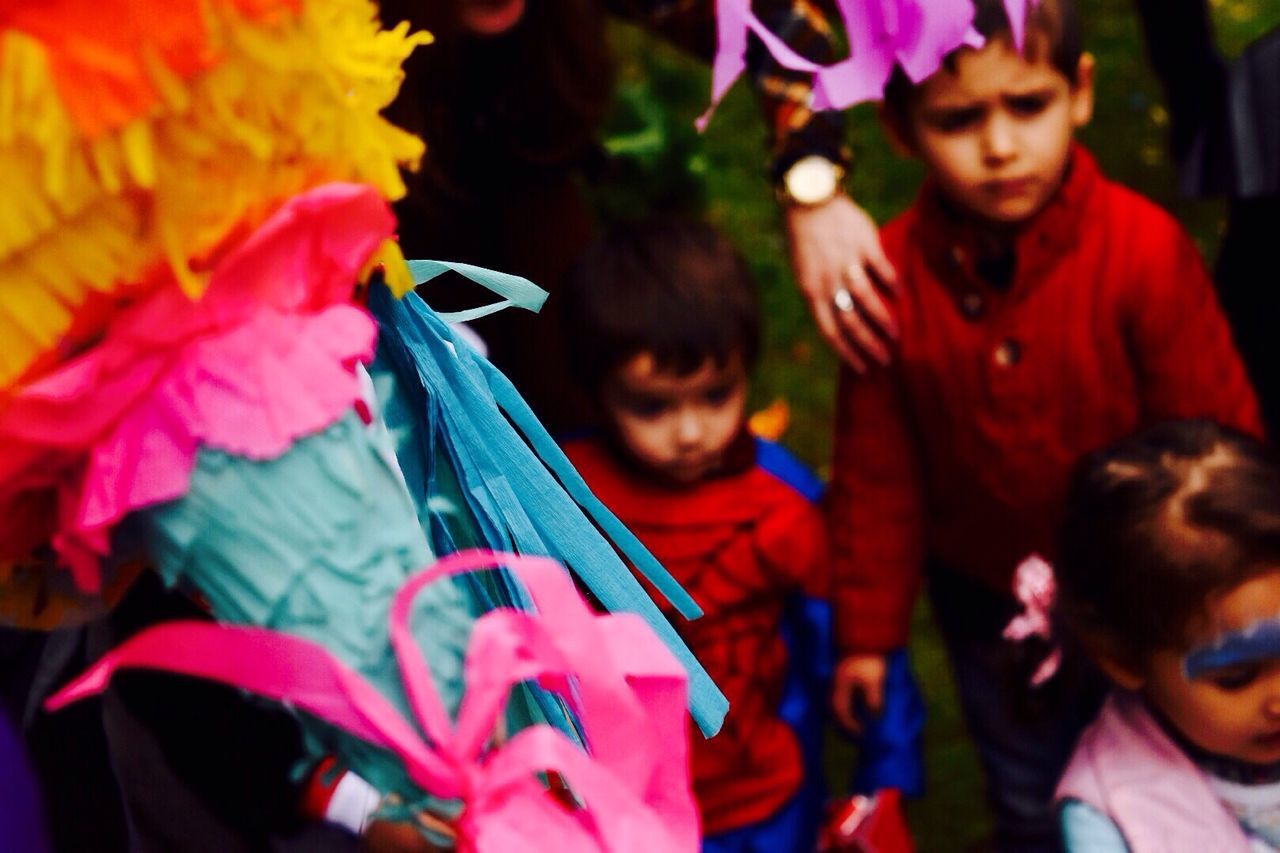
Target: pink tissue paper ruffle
{"points": [[266, 356], [631, 786], [914, 34]]}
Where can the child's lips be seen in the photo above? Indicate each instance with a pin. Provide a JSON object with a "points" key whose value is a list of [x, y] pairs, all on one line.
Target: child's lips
{"points": [[1010, 187]]}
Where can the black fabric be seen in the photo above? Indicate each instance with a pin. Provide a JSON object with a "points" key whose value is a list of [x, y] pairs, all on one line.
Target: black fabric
{"points": [[158, 763], [1225, 136]]}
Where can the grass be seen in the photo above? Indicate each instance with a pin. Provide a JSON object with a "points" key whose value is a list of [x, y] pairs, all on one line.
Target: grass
{"points": [[661, 161]]}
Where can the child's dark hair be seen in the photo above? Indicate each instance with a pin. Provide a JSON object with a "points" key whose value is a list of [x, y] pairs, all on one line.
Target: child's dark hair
{"points": [[1158, 523], [1052, 25], [671, 287]]}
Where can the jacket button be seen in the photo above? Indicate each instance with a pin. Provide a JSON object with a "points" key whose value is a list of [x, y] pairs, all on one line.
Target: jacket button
{"points": [[972, 304], [1008, 353]]}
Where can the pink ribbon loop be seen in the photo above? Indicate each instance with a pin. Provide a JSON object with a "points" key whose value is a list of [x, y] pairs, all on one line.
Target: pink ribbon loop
{"points": [[627, 691], [1035, 589]]}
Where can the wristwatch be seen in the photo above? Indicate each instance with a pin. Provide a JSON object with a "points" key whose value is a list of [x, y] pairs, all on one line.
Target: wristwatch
{"points": [[811, 181]]}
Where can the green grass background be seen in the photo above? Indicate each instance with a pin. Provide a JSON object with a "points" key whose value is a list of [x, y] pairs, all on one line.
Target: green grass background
{"points": [[660, 160]]}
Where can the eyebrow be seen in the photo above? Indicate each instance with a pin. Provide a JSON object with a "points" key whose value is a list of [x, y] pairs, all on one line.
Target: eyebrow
{"points": [[1259, 641]]}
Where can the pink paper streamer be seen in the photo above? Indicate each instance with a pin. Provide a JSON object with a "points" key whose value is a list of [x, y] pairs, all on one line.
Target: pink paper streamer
{"points": [[627, 689], [913, 34], [266, 356]]}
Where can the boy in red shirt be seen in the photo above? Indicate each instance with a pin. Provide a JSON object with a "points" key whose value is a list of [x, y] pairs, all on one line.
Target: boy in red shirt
{"points": [[1044, 311], [663, 328]]}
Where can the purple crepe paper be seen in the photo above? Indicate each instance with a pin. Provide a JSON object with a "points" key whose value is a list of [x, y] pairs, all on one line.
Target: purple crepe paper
{"points": [[915, 34]]}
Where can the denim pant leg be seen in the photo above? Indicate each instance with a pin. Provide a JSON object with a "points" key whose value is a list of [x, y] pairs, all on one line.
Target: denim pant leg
{"points": [[1024, 735]]}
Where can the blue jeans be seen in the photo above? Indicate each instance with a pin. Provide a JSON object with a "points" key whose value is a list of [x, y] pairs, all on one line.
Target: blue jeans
{"points": [[1024, 735]]}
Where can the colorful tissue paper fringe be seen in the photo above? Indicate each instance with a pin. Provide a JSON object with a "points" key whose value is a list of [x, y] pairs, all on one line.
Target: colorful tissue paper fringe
{"points": [[266, 356], [630, 793], [138, 144], [912, 34]]}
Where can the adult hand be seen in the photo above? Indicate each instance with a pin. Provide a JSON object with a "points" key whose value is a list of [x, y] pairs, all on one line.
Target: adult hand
{"points": [[858, 685], [835, 249]]}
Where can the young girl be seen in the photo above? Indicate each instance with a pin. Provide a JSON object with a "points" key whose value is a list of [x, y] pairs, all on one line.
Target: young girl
{"points": [[1169, 576]]}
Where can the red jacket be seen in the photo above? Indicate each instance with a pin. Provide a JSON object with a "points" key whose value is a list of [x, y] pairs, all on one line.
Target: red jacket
{"points": [[962, 448], [740, 544]]}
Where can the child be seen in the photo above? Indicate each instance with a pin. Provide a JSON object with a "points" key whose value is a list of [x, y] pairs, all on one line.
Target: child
{"points": [[664, 330], [1169, 575], [1044, 312]]}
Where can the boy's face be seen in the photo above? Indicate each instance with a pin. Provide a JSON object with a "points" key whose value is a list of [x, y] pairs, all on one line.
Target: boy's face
{"points": [[996, 132], [677, 427]]}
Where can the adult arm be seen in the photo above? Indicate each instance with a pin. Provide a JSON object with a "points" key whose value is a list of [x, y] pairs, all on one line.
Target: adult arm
{"points": [[834, 246], [1184, 56], [875, 515]]}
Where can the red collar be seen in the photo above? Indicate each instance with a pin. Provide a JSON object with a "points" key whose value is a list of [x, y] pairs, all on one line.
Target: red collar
{"points": [[950, 240]]}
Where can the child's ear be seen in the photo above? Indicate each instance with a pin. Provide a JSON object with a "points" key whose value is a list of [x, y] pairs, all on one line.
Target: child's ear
{"points": [[899, 135], [1114, 664], [1082, 91]]}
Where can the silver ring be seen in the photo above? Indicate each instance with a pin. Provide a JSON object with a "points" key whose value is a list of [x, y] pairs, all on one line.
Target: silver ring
{"points": [[843, 300]]}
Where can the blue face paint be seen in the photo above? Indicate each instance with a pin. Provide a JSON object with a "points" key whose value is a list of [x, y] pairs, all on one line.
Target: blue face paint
{"points": [[1258, 642]]}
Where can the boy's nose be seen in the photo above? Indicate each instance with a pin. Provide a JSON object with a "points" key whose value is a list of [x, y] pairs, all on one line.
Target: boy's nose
{"points": [[688, 428], [998, 140]]}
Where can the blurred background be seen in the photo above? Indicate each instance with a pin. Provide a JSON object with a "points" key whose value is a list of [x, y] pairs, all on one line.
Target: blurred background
{"points": [[656, 159]]}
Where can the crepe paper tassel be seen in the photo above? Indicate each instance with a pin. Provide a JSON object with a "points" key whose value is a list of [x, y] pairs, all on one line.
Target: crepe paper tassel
{"points": [[524, 494], [284, 96], [266, 357], [106, 57], [631, 786], [916, 34], [1035, 589]]}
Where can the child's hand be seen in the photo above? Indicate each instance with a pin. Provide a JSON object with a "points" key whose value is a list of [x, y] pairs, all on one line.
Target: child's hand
{"points": [[858, 685]]}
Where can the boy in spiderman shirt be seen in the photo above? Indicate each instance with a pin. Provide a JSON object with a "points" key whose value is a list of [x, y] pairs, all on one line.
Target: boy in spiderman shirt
{"points": [[662, 329]]}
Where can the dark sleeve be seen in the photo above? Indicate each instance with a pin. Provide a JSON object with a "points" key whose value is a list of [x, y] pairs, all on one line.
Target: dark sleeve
{"points": [[1180, 44], [795, 130]]}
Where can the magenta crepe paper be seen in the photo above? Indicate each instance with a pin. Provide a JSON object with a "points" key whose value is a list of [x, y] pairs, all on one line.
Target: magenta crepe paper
{"points": [[913, 34], [626, 689], [266, 356]]}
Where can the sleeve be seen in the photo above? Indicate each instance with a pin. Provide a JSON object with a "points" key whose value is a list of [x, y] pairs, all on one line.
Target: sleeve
{"points": [[795, 130], [1087, 830], [1188, 366], [1180, 45], [875, 514]]}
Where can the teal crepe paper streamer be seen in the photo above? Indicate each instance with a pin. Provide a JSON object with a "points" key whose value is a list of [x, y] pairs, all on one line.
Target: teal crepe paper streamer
{"points": [[521, 293], [516, 292], [444, 513], [501, 473]]}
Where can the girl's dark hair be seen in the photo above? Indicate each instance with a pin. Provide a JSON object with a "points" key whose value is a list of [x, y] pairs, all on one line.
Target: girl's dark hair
{"points": [[672, 287], [1055, 22], [1158, 523]]}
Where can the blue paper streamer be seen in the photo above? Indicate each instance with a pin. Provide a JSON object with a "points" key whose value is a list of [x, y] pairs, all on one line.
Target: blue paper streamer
{"points": [[501, 473]]}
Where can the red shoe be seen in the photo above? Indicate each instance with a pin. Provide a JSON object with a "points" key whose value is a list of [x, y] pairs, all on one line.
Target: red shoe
{"points": [[863, 824]]}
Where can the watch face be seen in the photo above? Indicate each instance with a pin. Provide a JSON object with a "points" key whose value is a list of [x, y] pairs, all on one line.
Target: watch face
{"points": [[812, 180]]}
